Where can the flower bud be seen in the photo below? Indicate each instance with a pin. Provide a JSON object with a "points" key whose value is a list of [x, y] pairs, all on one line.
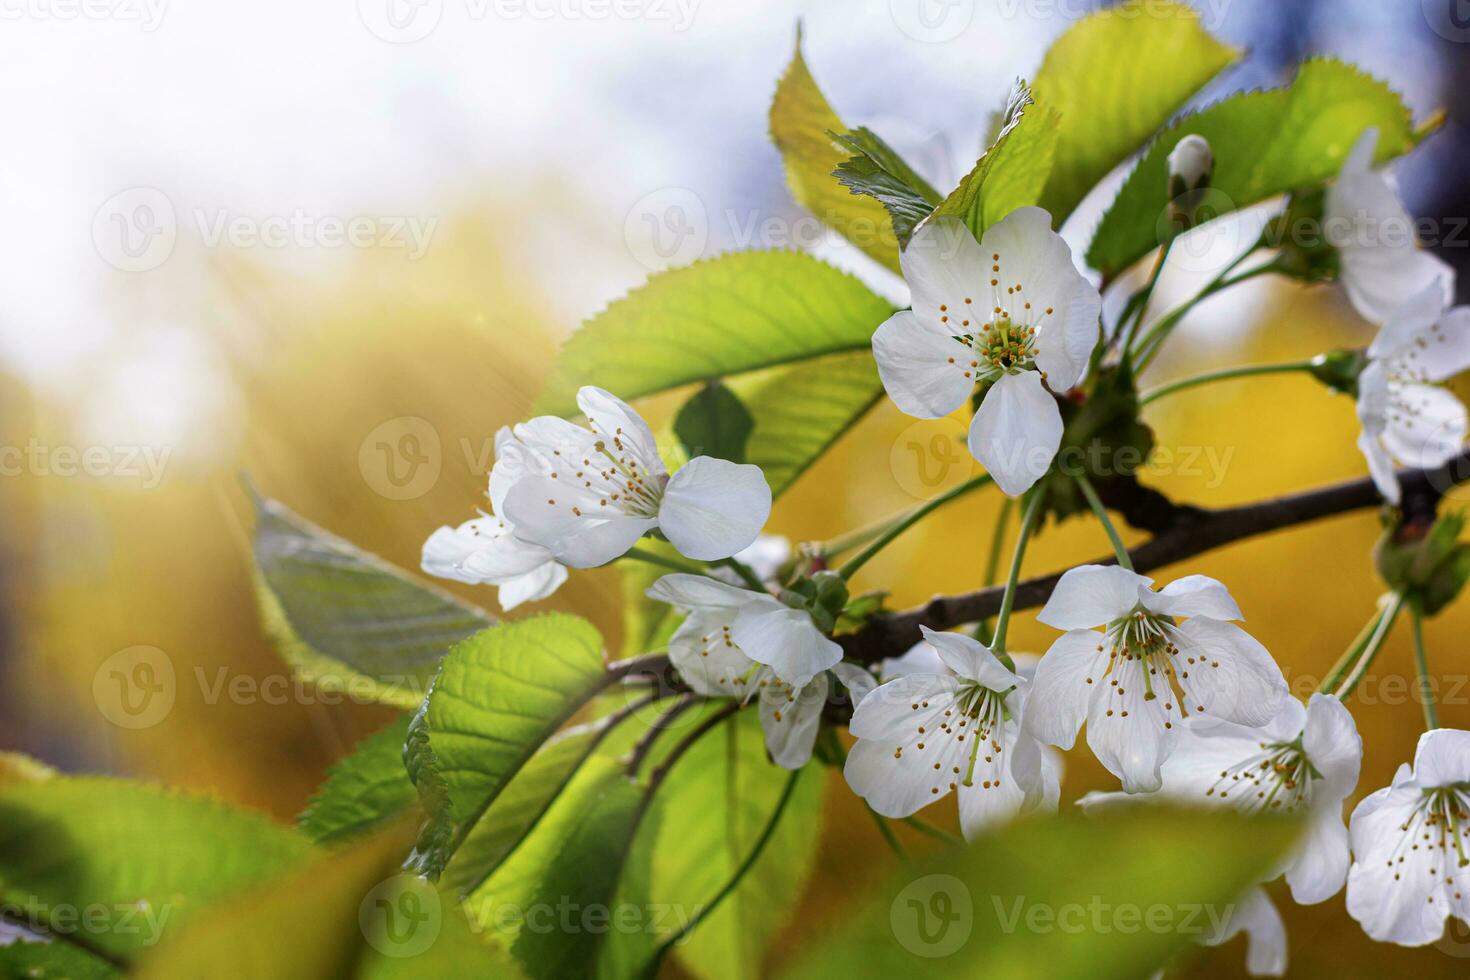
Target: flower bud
{"points": [[1339, 369], [1190, 166], [1426, 562]]}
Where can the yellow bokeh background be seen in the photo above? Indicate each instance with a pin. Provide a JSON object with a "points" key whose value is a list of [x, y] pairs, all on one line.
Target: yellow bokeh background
{"points": [[460, 339]]}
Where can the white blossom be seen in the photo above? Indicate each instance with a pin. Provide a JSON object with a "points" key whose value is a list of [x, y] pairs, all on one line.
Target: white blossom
{"points": [[1411, 846], [1008, 312], [1134, 680], [925, 735], [588, 496], [485, 550]]}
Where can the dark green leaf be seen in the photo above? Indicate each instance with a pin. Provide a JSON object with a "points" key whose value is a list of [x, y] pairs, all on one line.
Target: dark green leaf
{"points": [[362, 790], [880, 173], [347, 620], [715, 423]]}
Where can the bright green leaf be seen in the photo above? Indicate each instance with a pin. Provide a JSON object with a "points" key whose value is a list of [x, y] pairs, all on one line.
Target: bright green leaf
{"points": [[52, 961], [362, 790], [347, 620], [713, 422], [1116, 77], [498, 696], [1264, 143], [802, 124], [880, 173], [1012, 172], [1062, 896], [735, 313], [702, 827], [144, 860]]}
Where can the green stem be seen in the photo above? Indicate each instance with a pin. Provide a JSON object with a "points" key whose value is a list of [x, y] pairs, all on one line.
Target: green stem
{"points": [[1225, 374], [1101, 512], [747, 576], [1375, 643], [1153, 341], [1028, 522], [638, 554], [755, 852], [1426, 689], [1143, 296], [1355, 649], [887, 831], [907, 521], [938, 833], [992, 561]]}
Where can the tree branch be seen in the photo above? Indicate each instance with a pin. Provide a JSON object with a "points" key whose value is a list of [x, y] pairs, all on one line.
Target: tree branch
{"points": [[1180, 532]]}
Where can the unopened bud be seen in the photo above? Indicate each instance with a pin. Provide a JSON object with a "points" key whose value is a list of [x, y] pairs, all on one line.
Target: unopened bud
{"points": [[1190, 166]]}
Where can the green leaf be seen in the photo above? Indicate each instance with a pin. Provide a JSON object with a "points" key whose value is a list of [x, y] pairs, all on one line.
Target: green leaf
{"points": [[570, 866], [715, 423], [349, 914], [498, 696], [702, 826], [802, 124], [802, 410], [880, 173], [735, 313], [1012, 172], [362, 790], [1264, 143], [140, 859], [1116, 77], [347, 620], [52, 961], [1062, 896]]}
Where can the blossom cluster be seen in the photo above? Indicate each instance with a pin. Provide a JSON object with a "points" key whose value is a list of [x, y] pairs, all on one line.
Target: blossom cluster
{"points": [[1177, 699]]}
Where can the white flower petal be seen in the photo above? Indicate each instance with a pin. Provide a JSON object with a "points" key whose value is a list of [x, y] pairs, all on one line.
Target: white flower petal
{"points": [[790, 720], [615, 420], [968, 658], [505, 558], [532, 586], [1194, 595], [943, 266], [1040, 262], [1409, 325], [1059, 696], [921, 658], [445, 551], [889, 712], [1093, 595], [1130, 733], [924, 370], [1442, 758], [542, 512], [1016, 432], [1427, 425], [894, 775], [1331, 740], [1446, 350], [1380, 467], [713, 508], [707, 662], [1393, 889], [1256, 916], [785, 640], [1320, 865], [688, 591], [1226, 673], [857, 680], [1000, 789]]}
